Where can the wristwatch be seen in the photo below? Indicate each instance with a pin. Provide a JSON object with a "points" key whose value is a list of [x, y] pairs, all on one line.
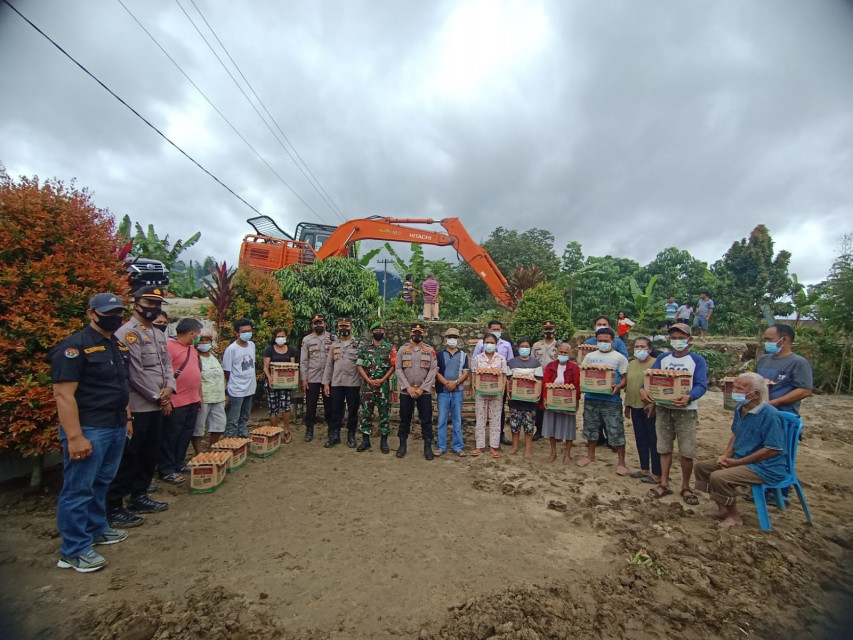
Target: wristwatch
{"points": [[130, 418]]}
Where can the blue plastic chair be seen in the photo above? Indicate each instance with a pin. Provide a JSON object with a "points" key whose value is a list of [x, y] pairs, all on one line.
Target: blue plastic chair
{"points": [[793, 428]]}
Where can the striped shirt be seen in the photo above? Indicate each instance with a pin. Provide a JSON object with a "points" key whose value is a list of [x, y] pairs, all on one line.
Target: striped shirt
{"points": [[430, 288], [408, 291]]}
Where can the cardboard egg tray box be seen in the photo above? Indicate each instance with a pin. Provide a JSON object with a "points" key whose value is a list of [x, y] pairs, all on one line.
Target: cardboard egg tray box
{"points": [[583, 349], [525, 388], [208, 471], [728, 387], [239, 448], [596, 378], [665, 385], [489, 382], [560, 397], [285, 375], [265, 441]]}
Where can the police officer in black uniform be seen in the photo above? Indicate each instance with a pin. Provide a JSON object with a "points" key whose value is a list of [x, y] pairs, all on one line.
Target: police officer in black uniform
{"points": [[90, 383]]}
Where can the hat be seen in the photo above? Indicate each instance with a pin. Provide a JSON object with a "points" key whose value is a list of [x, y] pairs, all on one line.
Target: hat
{"points": [[377, 325], [151, 292], [106, 302], [318, 316], [549, 325], [418, 326], [344, 322], [681, 326], [451, 332]]}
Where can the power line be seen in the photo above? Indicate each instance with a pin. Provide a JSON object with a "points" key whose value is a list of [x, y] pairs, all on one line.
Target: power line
{"points": [[267, 111], [221, 115], [134, 111], [252, 104]]}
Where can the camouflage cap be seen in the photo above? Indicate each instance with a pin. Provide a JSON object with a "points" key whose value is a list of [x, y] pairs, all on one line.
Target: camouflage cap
{"points": [[377, 325]]}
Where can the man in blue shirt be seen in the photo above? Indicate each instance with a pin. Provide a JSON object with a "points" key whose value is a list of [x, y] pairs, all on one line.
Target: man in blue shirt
{"points": [[670, 309], [754, 455], [496, 328], [453, 370], [790, 373], [618, 343]]}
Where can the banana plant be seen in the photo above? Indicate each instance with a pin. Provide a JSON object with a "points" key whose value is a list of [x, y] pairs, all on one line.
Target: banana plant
{"points": [[641, 299]]}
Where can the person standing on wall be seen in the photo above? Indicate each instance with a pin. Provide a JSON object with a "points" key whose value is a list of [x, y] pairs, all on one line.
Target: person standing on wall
{"points": [[430, 287]]}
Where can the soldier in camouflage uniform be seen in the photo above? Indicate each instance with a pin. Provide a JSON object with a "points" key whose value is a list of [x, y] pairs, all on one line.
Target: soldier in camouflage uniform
{"points": [[374, 367]]}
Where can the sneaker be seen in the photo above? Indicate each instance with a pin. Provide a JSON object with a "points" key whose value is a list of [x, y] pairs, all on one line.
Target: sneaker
{"points": [[144, 504], [153, 489], [86, 563], [185, 469], [111, 536], [122, 518]]}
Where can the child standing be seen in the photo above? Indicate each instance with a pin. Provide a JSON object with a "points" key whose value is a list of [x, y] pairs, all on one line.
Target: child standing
{"points": [[560, 425], [488, 408], [522, 415]]}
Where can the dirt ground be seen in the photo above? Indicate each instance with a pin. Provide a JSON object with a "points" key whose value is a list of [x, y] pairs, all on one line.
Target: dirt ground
{"points": [[313, 543]]}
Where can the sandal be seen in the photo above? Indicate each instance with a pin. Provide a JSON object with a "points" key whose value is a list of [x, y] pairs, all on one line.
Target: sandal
{"points": [[438, 452], [477, 452], [649, 480], [638, 474], [494, 453], [689, 497], [173, 478], [288, 437], [461, 453], [654, 494]]}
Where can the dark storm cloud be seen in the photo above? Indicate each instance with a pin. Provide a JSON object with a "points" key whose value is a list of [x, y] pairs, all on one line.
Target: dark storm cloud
{"points": [[627, 126]]}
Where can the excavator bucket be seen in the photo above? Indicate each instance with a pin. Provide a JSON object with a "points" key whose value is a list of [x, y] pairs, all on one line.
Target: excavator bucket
{"points": [[266, 226]]}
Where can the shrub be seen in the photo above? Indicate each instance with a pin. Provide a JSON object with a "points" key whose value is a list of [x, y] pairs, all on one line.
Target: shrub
{"points": [[57, 249], [542, 303], [257, 296]]}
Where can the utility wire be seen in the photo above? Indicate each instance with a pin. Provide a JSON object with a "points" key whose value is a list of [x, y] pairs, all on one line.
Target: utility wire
{"points": [[221, 115], [261, 102], [252, 104], [134, 111]]}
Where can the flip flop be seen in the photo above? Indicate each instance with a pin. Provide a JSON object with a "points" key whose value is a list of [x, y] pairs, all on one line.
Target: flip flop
{"points": [[638, 474], [477, 452], [173, 478], [494, 453], [689, 497], [460, 453], [654, 494], [288, 438], [649, 480]]}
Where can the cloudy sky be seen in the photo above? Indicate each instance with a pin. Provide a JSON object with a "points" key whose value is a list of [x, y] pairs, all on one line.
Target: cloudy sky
{"points": [[626, 125]]}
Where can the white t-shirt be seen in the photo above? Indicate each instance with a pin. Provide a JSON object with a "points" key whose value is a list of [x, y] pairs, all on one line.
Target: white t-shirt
{"points": [[239, 362]]}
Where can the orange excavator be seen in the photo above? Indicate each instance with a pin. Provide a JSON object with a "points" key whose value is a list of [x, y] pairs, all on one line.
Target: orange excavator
{"points": [[271, 248]]}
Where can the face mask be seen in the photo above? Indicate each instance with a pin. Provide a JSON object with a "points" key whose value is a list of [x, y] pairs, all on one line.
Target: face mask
{"points": [[344, 332], [204, 348], [378, 335], [641, 354], [281, 341], [149, 314], [497, 334], [604, 347], [246, 336], [108, 323], [524, 351], [562, 359], [679, 344], [738, 397], [162, 327], [772, 347], [489, 347], [318, 329], [196, 339], [452, 342], [417, 338], [549, 334]]}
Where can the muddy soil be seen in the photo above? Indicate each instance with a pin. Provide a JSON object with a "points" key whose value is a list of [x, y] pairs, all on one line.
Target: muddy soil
{"points": [[315, 543]]}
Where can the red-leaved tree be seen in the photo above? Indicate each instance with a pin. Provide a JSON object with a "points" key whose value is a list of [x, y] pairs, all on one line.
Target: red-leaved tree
{"points": [[57, 249]]}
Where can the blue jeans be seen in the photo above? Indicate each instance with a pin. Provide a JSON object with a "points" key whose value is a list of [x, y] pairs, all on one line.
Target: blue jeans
{"points": [[238, 417], [81, 509], [450, 403]]}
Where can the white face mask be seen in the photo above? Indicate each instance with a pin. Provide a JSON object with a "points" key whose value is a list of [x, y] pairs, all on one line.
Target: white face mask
{"points": [[451, 342], [281, 341]]}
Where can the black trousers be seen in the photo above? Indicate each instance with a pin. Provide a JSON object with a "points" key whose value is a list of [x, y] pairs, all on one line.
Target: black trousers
{"points": [[178, 429], [138, 460], [407, 410], [540, 413], [344, 398], [312, 395]]}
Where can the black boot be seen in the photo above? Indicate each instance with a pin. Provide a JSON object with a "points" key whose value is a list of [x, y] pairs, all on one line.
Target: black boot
{"points": [[334, 438], [351, 439], [428, 454], [309, 434], [504, 441], [401, 450], [383, 444], [365, 443]]}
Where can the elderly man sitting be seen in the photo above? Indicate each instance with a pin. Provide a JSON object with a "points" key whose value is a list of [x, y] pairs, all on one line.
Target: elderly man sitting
{"points": [[754, 454]]}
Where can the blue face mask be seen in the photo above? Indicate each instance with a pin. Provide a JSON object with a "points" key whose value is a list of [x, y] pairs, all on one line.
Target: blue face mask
{"points": [[246, 336], [562, 359], [737, 398], [604, 347], [497, 334], [489, 347], [772, 347], [524, 351], [204, 348], [641, 354], [679, 344]]}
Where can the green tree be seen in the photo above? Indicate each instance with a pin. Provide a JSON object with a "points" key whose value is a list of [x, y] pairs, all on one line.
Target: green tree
{"points": [[603, 289], [147, 244], [538, 305], [641, 300], [679, 275], [335, 287], [257, 296], [574, 270], [836, 294]]}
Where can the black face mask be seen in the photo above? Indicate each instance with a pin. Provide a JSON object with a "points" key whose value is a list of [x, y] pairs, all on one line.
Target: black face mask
{"points": [[149, 314], [549, 334], [162, 327], [344, 332], [378, 335], [318, 329], [108, 323], [417, 338]]}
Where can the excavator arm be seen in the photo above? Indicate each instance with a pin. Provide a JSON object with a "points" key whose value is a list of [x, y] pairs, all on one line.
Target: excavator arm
{"points": [[393, 230]]}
